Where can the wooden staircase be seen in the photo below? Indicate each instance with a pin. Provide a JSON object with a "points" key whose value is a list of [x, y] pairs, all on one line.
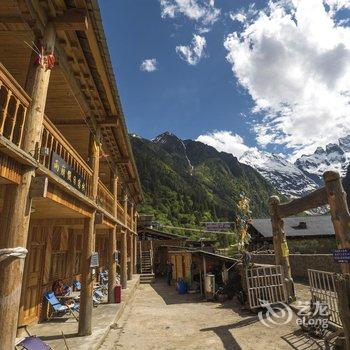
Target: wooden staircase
{"points": [[147, 274]]}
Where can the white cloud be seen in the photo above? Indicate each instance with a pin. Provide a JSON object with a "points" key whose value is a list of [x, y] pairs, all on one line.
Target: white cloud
{"points": [[194, 52], [149, 65], [202, 11], [239, 16], [294, 60], [225, 141]]}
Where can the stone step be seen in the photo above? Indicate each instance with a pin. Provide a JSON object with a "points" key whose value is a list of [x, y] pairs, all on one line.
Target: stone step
{"points": [[147, 278]]}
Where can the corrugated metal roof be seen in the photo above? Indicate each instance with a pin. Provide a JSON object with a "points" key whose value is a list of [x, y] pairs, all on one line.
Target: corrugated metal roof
{"points": [[318, 225]]}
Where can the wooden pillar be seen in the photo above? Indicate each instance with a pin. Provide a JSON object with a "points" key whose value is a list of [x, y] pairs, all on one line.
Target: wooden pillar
{"points": [[135, 253], [112, 265], [280, 245], [85, 314], [112, 247], [132, 216], [131, 250], [124, 260], [339, 212], [16, 213], [124, 267]]}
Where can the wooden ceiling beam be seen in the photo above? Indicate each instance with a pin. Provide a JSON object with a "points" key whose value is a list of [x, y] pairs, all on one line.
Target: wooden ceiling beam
{"points": [[72, 19], [111, 122], [123, 161], [11, 20], [64, 122]]}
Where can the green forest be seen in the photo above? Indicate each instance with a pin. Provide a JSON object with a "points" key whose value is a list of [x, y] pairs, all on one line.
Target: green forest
{"points": [[186, 183]]}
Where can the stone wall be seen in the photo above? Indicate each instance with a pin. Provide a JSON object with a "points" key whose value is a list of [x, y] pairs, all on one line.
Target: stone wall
{"points": [[300, 263]]}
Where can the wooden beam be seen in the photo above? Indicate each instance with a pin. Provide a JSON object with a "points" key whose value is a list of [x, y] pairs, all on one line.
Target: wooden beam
{"points": [[312, 200], [109, 122], [70, 122], [99, 218], [72, 19], [124, 260], [38, 187], [11, 20], [280, 245], [112, 264], [70, 222], [339, 212], [85, 315], [100, 65], [123, 161]]}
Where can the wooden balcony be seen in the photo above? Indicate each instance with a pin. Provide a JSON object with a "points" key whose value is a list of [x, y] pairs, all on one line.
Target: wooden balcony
{"points": [[14, 104], [105, 198], [55, 153], [120, 212]]}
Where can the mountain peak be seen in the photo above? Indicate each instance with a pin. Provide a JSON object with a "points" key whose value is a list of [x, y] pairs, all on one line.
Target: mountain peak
{"points": [[165, 137]]}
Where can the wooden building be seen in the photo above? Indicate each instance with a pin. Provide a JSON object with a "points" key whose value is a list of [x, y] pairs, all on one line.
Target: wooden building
{"points": [[68, 181], [306, 234]]}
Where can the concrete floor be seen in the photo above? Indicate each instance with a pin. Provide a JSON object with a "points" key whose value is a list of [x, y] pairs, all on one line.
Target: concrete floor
{"points": [[103, 316], [159, 318]]}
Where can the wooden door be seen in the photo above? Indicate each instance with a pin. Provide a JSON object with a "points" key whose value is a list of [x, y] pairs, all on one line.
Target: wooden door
{"points": [[33, 272]]}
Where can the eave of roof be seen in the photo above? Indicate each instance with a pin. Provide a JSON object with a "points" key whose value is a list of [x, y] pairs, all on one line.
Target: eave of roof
{"points": [[112, 82], [317, 225]]}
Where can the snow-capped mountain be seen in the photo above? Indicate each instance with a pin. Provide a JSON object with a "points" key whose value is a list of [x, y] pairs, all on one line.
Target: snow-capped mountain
{"points": [[305, 175], [286, 177], [334, 156]]}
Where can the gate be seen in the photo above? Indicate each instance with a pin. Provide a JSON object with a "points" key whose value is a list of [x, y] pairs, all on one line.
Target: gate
{"points": [[266, 284], [322, 289]]}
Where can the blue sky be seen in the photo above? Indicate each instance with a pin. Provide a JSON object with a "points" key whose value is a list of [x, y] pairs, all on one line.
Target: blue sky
{"points": [[186, 100], [193, 100]]}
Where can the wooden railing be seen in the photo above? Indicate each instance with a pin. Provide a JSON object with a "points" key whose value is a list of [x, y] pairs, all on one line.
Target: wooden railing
{"points": [[128, 219], [14, 104], [73, 168], [105, 198], [55, 152]]}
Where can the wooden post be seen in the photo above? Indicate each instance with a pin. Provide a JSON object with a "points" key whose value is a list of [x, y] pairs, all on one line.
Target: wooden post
{"points": [[71, 253], [339, 212], [125, 248], [112, 265], [204, 266], [135, 253], [131, 265], [112, 247], [16, 213], [85, 314], [124, 260], [280, 245]]}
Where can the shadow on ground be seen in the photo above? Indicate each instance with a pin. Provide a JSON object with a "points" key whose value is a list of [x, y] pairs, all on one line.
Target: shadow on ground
{"points": [[171, 297], [300, 340]]}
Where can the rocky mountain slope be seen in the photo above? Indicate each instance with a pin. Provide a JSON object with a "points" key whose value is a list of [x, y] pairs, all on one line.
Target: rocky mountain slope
{"points": [[188, 182], [283, 175], [346, 184], [295, 180], [334, 156]]}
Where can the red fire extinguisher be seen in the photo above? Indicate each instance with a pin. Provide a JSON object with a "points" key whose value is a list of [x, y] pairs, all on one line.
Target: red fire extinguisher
{"points": [[118, 294]]}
